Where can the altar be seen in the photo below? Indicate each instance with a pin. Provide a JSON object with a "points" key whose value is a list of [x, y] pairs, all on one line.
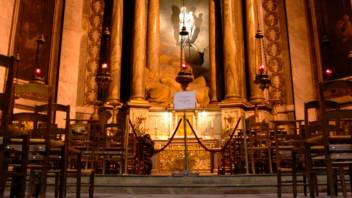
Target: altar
{"points": [[161, 125], [172, 158]]}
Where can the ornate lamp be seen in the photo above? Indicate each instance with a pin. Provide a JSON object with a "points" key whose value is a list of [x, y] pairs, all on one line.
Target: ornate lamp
{"points": [[262, 77], [38, 75], [103, 77], [184, 76]]}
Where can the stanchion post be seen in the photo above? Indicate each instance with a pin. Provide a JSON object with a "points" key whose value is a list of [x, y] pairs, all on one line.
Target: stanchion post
{"points": [[243, 118], [186, 168], [126, 142]]}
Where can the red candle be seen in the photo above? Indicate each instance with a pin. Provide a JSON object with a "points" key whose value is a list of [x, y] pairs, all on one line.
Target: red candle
{"points": [[37, 73], [262, 69], [184, 66], [104, 67], [328, 72]]}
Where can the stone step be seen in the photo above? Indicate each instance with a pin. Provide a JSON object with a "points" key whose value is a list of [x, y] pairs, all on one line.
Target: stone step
{"points": [[238, 184]]}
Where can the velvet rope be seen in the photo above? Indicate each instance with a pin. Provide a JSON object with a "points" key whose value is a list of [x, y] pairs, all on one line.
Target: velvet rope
{"points": [[172, 137], [216, 149], [167, 144], [134, 132]]}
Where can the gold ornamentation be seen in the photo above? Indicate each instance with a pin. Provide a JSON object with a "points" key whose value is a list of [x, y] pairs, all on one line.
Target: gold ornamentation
{"points": [[138, 125], [172, 158], [273, 48], [94, 34]]}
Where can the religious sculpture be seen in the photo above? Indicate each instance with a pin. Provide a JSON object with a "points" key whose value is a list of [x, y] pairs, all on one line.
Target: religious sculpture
{"points": [[161, 90]]}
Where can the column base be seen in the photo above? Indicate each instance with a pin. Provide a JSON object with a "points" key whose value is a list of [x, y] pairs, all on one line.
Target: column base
{"points": [[234, 102], [114, 103], [257, 100], [138, 102]]}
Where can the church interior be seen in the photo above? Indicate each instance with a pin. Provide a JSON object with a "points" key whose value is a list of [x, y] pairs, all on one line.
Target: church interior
{"points": [[182, 95]]}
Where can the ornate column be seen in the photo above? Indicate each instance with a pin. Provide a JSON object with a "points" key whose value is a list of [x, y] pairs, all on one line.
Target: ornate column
{"points": [[153, 43], [233, 48], [138, 106], [256, 95], [116, 50], [212, 51], [139, 51]]}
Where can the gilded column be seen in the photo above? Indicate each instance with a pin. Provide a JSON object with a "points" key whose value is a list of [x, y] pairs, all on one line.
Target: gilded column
{"points": [[212, 50], [153, 45], [233, 48], [139, 50], [116, 49], [256, 95]]}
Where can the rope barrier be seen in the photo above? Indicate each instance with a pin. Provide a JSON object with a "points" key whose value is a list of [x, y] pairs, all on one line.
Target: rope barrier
{"points": [[167, 144], [195, 134], [134, 132], [170, 140], [216, 149]]}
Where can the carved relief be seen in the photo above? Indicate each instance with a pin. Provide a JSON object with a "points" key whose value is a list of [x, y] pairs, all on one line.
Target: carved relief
{"points": [[229, 119], [94, 34], [172, 159]]}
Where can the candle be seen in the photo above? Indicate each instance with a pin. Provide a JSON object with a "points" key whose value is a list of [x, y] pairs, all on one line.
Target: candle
{"points": [[328, 72], [262, 69], [184, 66], [37, 73], [104, 67]]}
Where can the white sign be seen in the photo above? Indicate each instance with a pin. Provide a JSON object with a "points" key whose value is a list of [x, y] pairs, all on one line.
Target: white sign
{"points": [[184, 100]]}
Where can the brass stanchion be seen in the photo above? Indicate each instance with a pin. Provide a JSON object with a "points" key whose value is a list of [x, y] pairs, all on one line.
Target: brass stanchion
{"points": [[186, 168]]}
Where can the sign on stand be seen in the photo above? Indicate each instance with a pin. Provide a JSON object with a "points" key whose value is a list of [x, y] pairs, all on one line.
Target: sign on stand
{"points": [[185, 100]]}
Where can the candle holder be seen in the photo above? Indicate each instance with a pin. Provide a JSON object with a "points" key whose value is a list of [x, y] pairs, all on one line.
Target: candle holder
{"points": [[263, 81], [262, 77], [184, 76], [103, 77], [38, 76]]}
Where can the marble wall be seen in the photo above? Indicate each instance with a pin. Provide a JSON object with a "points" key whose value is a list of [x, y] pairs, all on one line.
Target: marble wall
{"points": [[70, 54], [6, 17], [301, 56]]}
